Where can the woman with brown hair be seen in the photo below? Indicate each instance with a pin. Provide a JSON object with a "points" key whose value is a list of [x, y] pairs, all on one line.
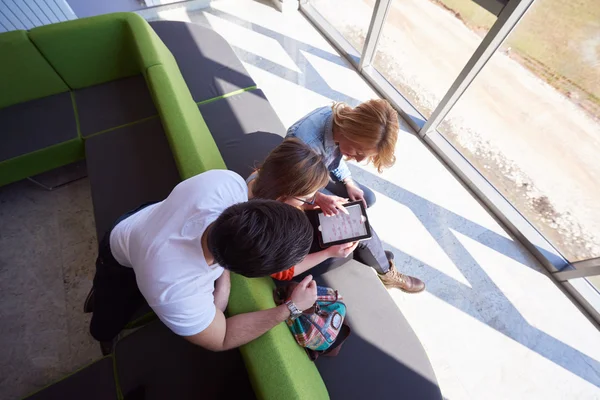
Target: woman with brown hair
{"points": [[293, 173]]}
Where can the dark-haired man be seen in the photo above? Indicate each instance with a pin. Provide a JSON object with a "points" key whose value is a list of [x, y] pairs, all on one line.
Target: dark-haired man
{"points": [[180, 251]]}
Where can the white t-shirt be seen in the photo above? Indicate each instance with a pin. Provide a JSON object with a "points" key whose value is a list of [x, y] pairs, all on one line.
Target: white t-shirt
{"points": [[162, 243]]}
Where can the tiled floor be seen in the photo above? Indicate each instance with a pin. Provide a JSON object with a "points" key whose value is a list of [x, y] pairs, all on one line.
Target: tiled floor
{"points": [[492, 322]]}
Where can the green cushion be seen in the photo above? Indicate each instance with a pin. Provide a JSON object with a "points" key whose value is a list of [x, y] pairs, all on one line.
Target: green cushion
{"points": [[25, 74], [277, 366], [39, 161], [89, 51], [95, 50], [150, 49], [191, 142]]}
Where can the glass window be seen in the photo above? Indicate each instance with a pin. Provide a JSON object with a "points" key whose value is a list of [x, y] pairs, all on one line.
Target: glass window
{"points": [[530, 123], [425, 44], [351, 18]]}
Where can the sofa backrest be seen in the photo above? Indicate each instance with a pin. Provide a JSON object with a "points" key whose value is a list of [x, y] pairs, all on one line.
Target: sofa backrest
{"points": [[24, 73], [99, 49], [89, 51], [277, 366], [193, 146]]}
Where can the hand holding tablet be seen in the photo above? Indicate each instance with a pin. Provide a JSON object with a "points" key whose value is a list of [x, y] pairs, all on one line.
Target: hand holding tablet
{"points": [[342, 250]]}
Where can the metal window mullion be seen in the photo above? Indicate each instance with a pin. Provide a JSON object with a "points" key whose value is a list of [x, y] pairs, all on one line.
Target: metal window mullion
{"points": [[576, 273], [375, 27], [590, 263], [330, 33], [506, 22], [579, 269]]}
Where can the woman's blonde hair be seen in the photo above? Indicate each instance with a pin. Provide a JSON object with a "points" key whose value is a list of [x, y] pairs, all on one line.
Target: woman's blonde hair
{"points": [[370, 125], [292, 169]]}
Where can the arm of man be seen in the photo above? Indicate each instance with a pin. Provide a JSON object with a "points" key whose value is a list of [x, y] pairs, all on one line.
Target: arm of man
{"points": [[222, 289], [229, 333]]}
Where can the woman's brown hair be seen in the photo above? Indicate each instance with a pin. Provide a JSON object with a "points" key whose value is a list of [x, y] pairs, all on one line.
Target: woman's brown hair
{"points": [[370, 125], [292, 169]]}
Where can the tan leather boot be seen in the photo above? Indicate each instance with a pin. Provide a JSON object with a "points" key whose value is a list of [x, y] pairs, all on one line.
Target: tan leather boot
{"points": [[394, 279]]}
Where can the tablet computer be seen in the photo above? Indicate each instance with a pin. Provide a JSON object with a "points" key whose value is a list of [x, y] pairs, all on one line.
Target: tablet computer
{"points": [[342, 227]]}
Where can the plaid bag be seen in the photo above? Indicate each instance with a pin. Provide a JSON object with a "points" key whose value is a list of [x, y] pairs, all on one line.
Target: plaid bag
{"points": [[318, 328]]}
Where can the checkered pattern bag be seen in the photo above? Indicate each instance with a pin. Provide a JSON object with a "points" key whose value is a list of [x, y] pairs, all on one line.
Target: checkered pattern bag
{"points": [[319, 326]]}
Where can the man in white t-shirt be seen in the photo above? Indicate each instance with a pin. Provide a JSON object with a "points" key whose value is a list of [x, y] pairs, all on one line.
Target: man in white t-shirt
{"points": [[177, 254]]}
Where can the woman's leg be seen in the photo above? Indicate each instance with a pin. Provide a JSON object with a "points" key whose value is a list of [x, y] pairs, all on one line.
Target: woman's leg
{"points": [[371, 253], [339, 189]]}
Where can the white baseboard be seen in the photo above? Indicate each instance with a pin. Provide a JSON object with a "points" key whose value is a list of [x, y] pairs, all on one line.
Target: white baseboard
{"points": [[286, 6], [152, 13]]}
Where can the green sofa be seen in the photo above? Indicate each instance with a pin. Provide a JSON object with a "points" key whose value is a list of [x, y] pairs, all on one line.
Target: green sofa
{"points": [[148, 105], [66, 59]]}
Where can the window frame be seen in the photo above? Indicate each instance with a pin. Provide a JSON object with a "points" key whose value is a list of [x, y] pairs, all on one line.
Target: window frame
{"points": [[509, 13]]}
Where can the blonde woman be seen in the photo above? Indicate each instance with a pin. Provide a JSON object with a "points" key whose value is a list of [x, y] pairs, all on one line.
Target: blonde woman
{"points": [[366, 132], [369, 132]]}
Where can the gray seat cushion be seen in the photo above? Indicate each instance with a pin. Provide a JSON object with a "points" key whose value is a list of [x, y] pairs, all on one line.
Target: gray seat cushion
{"points": [[113, 104], [128, 167], [382, 358], [94, 382], [245, 128], [154, 363], [36, 124], [206, 61]]}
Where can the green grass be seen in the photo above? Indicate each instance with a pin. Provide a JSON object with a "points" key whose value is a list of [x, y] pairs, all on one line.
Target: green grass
{"points": [[559, 40]]}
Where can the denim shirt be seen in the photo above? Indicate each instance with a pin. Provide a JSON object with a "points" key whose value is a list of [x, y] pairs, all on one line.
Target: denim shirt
{"points": [[316, 130]]}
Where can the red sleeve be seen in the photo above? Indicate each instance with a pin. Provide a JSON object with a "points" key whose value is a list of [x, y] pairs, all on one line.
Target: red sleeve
{"points": [[286, 275]]}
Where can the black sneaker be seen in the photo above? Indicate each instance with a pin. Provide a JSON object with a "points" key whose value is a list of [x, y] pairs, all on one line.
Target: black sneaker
{"points": [[88, 306], [108, 346]]}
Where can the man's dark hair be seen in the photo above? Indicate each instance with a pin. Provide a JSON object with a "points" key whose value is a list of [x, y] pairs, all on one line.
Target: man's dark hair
{"points": [[260, 237]]}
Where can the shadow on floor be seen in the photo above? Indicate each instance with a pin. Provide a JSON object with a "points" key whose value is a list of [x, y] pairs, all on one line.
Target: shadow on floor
{"points": [[308, 75], [449, 290], [440, 221]]}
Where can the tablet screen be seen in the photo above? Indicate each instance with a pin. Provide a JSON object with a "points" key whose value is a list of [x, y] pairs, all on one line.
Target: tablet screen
{"points": [[343, 226]]}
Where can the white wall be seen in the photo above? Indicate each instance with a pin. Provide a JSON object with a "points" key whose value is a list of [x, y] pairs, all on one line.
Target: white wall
{"points": [[27, 14]]}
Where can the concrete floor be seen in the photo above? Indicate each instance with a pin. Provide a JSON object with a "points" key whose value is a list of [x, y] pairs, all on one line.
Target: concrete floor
{"points": [[47, 254], [492, 322]]}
